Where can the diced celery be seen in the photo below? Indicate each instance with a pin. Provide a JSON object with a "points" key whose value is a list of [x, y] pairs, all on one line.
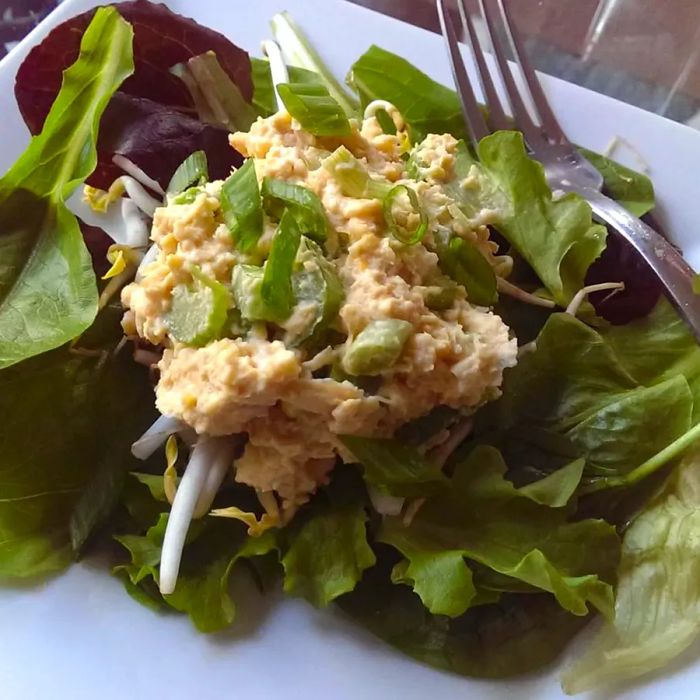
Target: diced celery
{"points": [[247, 293], [377, 347], [198, 311]]}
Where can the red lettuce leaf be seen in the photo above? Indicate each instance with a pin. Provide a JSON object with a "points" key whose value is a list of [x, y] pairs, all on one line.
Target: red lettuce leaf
{"points": [[621, 263], [157, 138], [162, 39]]}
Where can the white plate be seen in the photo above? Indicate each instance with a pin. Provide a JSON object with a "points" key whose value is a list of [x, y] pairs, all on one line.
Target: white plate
{"points": [[81, 637]]}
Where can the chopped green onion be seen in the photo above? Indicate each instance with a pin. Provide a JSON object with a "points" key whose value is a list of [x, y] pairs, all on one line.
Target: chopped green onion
{"points": [[277, 290], [298, 52], [188, 196], [377, 347], [198, 311], [399, 232], [467, 266], [242, 208], [264, 98], [193, 170], [308, 211], [353, 177], [314, 108]]}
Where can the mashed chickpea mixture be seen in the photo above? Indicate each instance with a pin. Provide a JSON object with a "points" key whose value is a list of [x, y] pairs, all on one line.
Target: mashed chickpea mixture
{"points": [[293, 399]]}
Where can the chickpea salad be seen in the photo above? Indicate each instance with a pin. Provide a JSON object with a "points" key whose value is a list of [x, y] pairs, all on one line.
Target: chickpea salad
{"points": [[300, 330]]}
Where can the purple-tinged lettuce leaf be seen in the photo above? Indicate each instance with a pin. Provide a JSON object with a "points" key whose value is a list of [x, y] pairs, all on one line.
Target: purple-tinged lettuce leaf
{"points": [[162, 39], [158, 138]]}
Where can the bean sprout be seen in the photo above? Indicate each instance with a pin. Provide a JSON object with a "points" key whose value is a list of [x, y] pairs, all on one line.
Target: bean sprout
{"points": [[132, 169], [581, 295], [208, 454], [154, 438], [511, 290]]}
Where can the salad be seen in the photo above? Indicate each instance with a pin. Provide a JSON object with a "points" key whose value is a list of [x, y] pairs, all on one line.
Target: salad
{"points": [[302, 332]]}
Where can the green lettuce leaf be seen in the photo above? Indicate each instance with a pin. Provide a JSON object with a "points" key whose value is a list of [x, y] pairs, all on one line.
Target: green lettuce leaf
{"points": [[328, 555], [519, 634], [556, 489], [467, 266], [556, 237], [48, 292], [427, 106], [482, 517], [213, 551], [584, 385], [658, 347], [394, 468], [657, 611], [202, 589], [69, 419], [217, 98], [661, 413], [441, 579], [633, 190]]}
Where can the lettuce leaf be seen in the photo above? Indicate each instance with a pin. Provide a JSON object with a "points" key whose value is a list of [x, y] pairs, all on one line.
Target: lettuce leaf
{"points": [[68, 422], [482, 517], [659, 347], [202, 590], [557, 237], [635, 191], [328, 554], [151, 120], [584, 385], [48, 293], [325, 549], [214, 550], [427, 106], [519, 634], [394, 468], [162, 39], [657, 612]]}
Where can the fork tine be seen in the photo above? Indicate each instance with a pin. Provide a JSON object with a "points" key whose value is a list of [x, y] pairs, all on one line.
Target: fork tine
{"points": [[549, 122], [474, 119], [496, 116], [524, 122]]}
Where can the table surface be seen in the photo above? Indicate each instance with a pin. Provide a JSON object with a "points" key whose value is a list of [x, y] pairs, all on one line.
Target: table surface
{"points": [[645, 52]]}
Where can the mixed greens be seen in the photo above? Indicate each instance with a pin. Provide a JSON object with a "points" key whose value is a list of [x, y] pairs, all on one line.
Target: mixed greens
{"points": [[479, 542]]}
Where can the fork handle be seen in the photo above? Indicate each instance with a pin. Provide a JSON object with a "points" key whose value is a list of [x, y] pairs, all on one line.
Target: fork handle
{"points": [[673, 271]]}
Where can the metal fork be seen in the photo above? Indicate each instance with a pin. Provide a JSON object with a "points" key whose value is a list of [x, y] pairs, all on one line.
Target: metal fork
{"points": [[566, 169]]}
